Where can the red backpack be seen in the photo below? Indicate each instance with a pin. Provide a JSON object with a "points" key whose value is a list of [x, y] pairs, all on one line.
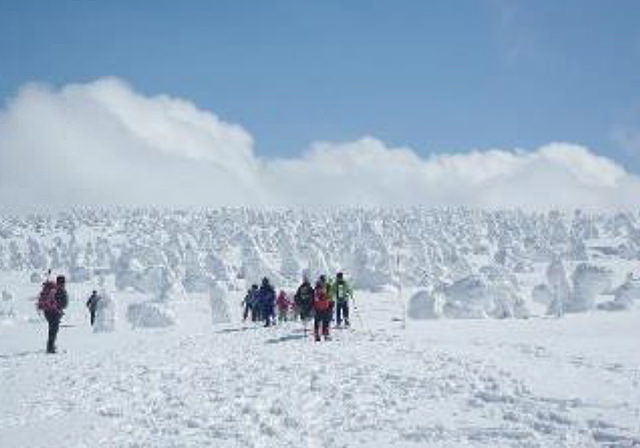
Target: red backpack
{"points": [[47, 298], [321, 301]]}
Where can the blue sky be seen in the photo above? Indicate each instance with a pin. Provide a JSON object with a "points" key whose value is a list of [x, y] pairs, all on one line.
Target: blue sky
{"points": [[433, 75]]}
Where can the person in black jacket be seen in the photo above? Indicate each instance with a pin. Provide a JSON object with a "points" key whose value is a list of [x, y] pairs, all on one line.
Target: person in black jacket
{"points": [[92, 304], [249, 303], [54, 310], [303, 299]]}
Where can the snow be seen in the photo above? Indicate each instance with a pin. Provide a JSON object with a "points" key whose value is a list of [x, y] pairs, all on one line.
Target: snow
{"points": [[624, 295], [105, 314], [589, 281], [536, 382], [219, 306], [489, 293], [150, 314], [7, 305], [542, 294], [559, 286], [170, 363], [425, 305]]}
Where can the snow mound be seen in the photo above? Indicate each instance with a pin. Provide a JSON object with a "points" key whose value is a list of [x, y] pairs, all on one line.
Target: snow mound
{"points": [[490, 294], [7, 305], [629, 290], [542, 294], [105, 314], [625, 294], [588, 282], [150, 314], [219, 306], [425, 305], [466, 298]]}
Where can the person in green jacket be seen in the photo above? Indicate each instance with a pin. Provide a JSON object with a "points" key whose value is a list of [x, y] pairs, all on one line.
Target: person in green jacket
{"points": [[342, 293]]}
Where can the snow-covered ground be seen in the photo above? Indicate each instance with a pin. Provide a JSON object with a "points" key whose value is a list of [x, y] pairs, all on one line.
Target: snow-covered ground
{"points": [[525, 330], [573, 381]]}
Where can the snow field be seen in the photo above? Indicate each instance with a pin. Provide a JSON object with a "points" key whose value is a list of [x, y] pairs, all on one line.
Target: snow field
{"points": [[538, 382], [482, 360]]}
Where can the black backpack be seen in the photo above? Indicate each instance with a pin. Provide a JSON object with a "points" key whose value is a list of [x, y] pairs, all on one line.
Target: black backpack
{"points": [[304, 297]]}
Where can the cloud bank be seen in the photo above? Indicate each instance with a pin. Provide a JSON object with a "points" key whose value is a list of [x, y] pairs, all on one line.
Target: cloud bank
{"points": [[102, 143]]}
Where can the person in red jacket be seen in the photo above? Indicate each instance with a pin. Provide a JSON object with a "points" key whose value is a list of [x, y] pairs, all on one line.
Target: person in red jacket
{"points": [[283, 304], [52, 302], [322, 308]]}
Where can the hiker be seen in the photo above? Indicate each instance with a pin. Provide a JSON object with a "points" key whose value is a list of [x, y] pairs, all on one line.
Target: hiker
{"points": [[330, 294], [322, 308], [266, 301], [342, 293], [92, 304], [256, 312], [283, 304], [249, 303], [303, 299], [52, 301]]}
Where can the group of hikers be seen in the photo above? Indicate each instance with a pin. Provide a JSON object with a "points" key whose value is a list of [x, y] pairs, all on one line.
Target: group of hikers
{"points": [[52, 301], [317, 302], [260, 303]]}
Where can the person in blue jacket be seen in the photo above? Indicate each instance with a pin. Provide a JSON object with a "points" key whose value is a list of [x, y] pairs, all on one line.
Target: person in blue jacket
{"points": [[266, 298]]}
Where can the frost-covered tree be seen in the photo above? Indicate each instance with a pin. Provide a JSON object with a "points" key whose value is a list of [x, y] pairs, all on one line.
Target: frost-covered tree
{"points": [[219, 304], [7, 305], [36, 255], [17, 260], [559, 286], [588, 282]]}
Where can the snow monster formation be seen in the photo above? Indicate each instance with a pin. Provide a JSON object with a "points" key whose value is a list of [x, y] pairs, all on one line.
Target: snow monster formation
{"points": [[491, 292], [425, 304], [156, 312], [443, 251], [219, 306], [624, 295], [105, 314]]}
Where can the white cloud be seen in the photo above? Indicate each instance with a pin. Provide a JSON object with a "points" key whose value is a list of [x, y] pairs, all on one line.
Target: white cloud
{"points": [[367, 172], [102, 143]]}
